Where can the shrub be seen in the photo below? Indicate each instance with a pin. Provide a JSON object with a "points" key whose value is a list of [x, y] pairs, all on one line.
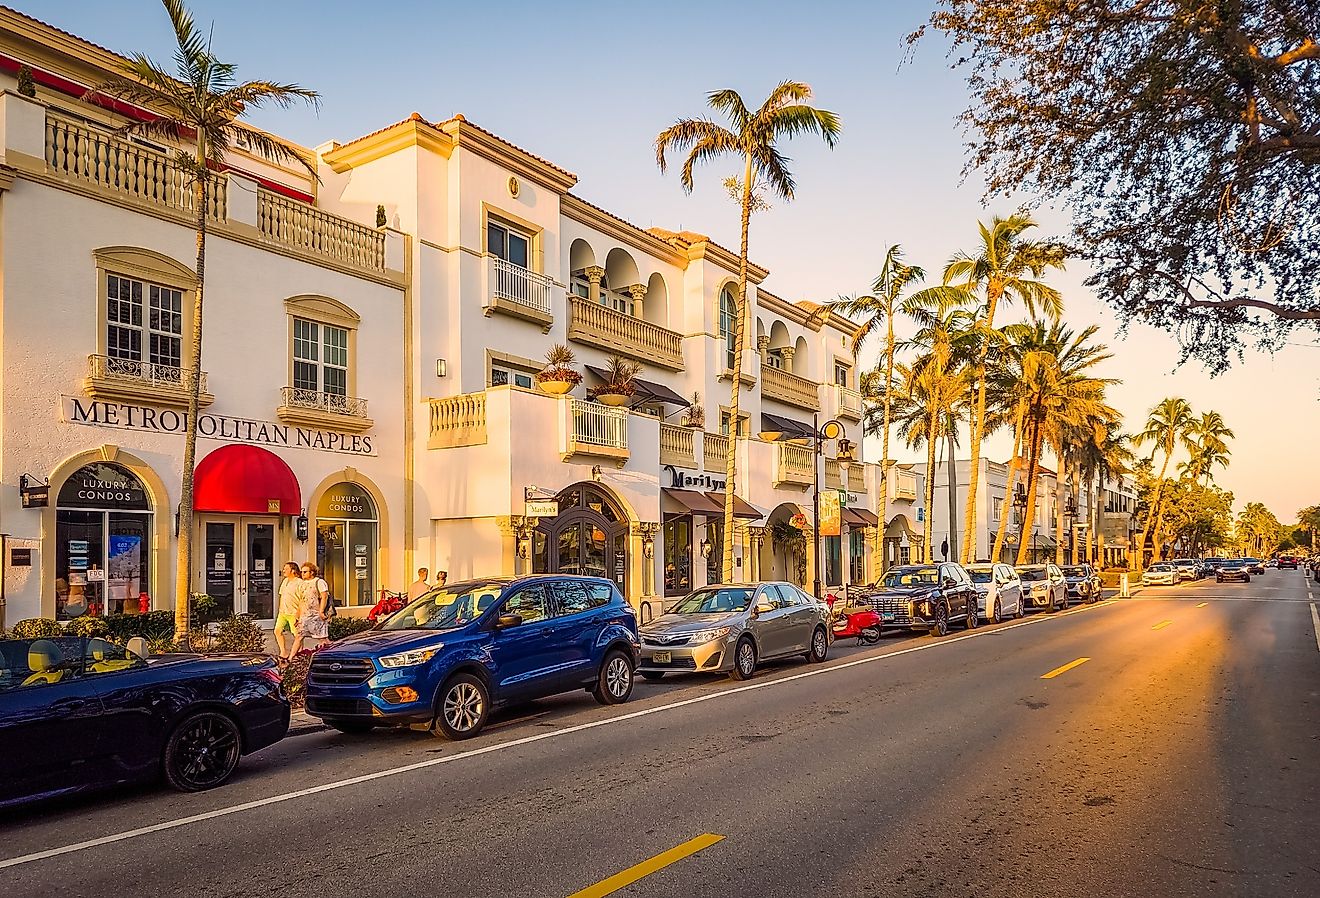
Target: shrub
{"points": [[620, 378], [153, 625], [295, 676], [347, 626], [35, 628], [87, 627], [558, 366], [238, 634], [26, 85], [380, 216]]}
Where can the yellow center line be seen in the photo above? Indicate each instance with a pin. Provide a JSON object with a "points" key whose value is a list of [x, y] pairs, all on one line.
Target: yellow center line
{"points": [[1202, 604], [647, 867], [1064, 669], [1161, 625]]}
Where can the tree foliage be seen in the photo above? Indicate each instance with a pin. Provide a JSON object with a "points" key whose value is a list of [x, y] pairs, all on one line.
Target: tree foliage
{"points": [[1258, 532], [1184, 137]]}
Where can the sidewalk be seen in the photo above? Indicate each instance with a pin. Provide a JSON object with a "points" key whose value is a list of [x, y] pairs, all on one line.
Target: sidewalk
{"points": [[301, 723]]}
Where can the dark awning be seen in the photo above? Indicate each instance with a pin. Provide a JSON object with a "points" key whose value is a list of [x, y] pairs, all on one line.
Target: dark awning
{"points": [[647, 390], [860, 517], [792, 430], [693, 501], [741, 509]]}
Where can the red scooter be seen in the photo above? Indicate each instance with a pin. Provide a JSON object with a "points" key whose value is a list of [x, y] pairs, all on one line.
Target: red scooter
{"points": [[850, 620]]}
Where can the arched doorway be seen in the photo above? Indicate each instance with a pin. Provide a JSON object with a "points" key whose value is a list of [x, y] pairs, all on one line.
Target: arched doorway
{"points": [[784, 550], [103, 540], [347, 532], [589, 536]]}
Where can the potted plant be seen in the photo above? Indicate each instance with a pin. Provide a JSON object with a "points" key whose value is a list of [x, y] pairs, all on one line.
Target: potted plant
{"points": [[696, 416], [558, 376], [620, 382]]}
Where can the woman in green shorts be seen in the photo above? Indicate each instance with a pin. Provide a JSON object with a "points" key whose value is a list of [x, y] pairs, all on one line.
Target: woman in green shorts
{"points": [[291, 589]]}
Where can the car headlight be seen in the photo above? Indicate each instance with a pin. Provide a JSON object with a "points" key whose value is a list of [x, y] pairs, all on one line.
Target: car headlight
{"points": [[701, 637], [412, 657]]}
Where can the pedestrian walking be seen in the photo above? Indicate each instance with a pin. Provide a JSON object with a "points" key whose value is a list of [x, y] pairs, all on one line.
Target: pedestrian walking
{"points": [[419, 586], [315, 597], [291, 588]]}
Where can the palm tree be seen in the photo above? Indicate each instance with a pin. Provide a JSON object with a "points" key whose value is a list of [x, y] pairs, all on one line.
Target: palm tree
{"points": [[1005, 267], [895, 276], [752, 138], [1169, 425], [1210, 436], [198, 106]]}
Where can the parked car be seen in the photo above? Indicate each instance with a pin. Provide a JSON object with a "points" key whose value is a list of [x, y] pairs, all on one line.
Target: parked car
{"points": [[459, 651], [1083, 582], [1233, 569], [999, 591], [77, 714], [1254, 565], [1161, 573], [731, 628], [1287, 562], [1044, 586], [925, 597], [1187, 568]]}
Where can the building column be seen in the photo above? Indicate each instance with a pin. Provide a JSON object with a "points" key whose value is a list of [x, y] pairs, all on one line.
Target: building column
{"points": [[757, 535], [874, 546], [788, 352], [763, 348], [594, 275], [638, 293]]}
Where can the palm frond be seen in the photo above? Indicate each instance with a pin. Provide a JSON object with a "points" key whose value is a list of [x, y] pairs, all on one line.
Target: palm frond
{"points": [[730, 102], [791, 121]]}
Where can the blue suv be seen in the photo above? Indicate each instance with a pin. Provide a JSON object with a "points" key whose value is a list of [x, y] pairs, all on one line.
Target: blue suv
{"points": [[462, 649]]}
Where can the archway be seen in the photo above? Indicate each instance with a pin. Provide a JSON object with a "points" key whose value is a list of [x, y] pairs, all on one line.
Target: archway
{"points": [[902, 543], [779, 341], [655, 306], [784, 550], [589, 536]]}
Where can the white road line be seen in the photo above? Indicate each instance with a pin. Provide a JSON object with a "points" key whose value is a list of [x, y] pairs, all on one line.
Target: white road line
{"points": [[513, 743], [1315, 626]]}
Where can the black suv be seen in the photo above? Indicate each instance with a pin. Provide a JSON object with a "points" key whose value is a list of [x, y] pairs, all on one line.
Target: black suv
{"points": [[924, 597], [1083, 582]]}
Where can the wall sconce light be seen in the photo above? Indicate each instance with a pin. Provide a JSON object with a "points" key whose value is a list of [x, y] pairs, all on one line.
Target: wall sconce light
{"points": [[648, 547], [441, 368], [34, 490], [522, 548], [300, 526], [706, 548], [595, 473]]}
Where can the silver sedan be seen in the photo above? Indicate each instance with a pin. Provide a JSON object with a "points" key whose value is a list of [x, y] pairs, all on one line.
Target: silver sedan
{"points": [[731, 628]]}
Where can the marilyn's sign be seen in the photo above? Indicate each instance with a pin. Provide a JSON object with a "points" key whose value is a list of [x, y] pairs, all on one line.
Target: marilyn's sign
{"points": [[223, 428]]}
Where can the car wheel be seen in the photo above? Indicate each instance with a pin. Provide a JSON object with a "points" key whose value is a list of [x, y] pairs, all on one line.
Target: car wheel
{"points": [[614, 683], [202, 752], [941, 625], [1065, 600], [973, 615], [462, 707], [1246, 579], [996, 613], [349, 726], [744, 659], [1021, 608], [820, 646], [655, 676]]}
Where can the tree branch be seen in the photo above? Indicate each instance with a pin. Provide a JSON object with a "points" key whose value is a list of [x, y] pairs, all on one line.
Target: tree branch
{"points": [[1284, 312], [1307, 49]]}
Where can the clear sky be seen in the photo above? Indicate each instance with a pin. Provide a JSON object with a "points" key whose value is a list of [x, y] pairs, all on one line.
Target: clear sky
{"points": [[589, 84]]}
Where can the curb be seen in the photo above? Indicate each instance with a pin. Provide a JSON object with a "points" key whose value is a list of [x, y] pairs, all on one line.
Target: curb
{"points": [[303, 724]]}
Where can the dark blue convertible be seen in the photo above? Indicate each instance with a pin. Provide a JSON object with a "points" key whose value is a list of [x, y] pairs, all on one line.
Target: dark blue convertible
{"points": [[81, 713]]}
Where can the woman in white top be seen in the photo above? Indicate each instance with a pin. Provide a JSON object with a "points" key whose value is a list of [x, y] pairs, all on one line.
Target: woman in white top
{"points": [[315, 594], [291, 589]]}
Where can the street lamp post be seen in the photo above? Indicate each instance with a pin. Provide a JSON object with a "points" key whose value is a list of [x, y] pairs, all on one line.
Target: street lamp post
{"points": [[1070, 515], [1020, 506]]}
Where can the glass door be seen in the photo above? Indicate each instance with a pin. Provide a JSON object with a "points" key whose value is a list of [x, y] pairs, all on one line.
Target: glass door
{"points": [[240, 566], [259, 568], [219, 563]]}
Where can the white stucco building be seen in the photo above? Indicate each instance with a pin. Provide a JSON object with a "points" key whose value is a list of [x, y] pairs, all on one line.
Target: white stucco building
{"points": [[369, 389]]}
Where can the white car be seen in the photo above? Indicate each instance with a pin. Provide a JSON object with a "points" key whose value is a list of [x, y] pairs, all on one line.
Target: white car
{"points": [[999, 589], [1161, 573], [1043, 586]]}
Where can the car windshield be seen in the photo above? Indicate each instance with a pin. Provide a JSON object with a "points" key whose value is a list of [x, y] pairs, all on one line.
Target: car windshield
{"points": [[1161, 567], [1074, 571], [981, 574], [1251, 561], [1181, 561], [1028, 574], [715, 601], [446, 608], [911, 576]]}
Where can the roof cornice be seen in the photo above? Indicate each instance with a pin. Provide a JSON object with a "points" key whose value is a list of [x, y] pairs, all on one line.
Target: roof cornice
{"points": [[593, 216], [411, 132], [467, 136]]}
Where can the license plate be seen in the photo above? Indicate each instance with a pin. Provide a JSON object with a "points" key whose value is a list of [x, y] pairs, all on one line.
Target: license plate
{"points": [[662, 657], [887, 616]]}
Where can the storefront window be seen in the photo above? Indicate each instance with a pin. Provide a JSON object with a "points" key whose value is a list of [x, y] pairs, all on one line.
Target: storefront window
{"points": [[715, 561], [833, 561], [347, 539], [856, 556], [103, 536], [677, 538]]}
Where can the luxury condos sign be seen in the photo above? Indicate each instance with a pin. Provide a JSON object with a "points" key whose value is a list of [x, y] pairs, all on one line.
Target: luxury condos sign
{"points": [[222, 428]]}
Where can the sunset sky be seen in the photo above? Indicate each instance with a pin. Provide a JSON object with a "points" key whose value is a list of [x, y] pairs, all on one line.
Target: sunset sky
{"points": [[589, 84]]}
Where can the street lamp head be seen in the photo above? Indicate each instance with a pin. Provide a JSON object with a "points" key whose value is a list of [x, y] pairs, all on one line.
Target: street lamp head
{"points": [[831, 430]]}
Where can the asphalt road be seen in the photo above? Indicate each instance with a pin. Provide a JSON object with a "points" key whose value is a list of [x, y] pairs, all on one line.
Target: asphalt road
{"points": [[1182, 757]]}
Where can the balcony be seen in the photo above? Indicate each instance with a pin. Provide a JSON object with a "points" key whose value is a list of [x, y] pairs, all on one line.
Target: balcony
{"points": [[128, 380], [603, 327], [330, 411], [856, 479], [715, 452], [677, 446], [849, 402], [458, 421], [519, 292], [790, 388], [594, 429], [302, 226], [905, 486], [795, 465]]}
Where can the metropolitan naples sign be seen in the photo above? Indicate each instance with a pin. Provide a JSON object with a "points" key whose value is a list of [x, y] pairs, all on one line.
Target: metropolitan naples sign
{"points": [[222, 428]]}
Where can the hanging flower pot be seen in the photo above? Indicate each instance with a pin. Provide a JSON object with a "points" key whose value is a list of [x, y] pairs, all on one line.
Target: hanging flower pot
{"points": [[555, 387], [614, 399], [558, 377]]}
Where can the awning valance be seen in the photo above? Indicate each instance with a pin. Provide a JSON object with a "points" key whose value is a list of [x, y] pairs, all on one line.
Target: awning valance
{"points": [[791, 430], [860, 517], [690, 501], [647, 390], [741, 508], [245, 480]]}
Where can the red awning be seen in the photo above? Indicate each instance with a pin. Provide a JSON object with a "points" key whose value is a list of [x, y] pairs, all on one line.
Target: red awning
{"points": [[245, 480]]}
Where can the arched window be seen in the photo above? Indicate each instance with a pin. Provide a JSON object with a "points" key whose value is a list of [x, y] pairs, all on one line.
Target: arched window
{"points": [[103, 525], [728, 321]]}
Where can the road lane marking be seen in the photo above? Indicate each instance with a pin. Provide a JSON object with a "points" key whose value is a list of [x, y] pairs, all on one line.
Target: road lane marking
{"points": [[1315, 626], [1064, 669], [664, 859], [1161, 625], [259, 803], [1202, 604]]}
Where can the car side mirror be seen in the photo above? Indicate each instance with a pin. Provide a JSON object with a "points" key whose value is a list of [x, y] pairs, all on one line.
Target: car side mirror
{"points": [[763, 608], [506, 621], [949, 582]]}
